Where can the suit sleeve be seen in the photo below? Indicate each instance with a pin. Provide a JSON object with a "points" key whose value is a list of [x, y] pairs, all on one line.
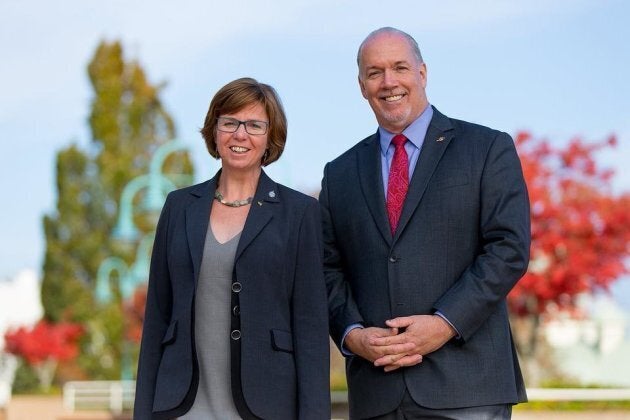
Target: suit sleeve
{"points": [[310, 323], [342, 309], [156, 318], [504, 227]]}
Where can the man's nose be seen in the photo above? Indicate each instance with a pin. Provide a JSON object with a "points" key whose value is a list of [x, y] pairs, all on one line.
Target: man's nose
{"points": [[389, 78]]}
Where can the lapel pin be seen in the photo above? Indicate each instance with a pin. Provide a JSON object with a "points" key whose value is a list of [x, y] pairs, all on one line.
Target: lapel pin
{"points": [[260, 203], [272, 194], [441, 138]]}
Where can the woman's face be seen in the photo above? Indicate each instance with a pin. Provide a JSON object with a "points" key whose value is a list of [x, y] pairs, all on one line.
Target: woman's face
{"points": [[240, 150]]}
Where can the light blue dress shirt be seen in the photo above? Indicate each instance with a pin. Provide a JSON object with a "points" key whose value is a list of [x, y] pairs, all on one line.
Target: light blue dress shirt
{"points": [[415, 134]]}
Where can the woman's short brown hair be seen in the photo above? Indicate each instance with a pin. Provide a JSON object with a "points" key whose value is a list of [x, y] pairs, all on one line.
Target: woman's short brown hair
{"points": [[237, 95]]}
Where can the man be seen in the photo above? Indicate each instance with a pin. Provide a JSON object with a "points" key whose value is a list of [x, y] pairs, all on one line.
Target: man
{"points": [[425, 234]]}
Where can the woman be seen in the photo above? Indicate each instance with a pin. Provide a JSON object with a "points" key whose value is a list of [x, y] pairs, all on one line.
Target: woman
{"points": [[236, 322]]}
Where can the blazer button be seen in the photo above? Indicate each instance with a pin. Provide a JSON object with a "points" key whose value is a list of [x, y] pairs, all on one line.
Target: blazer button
{"points": [[393, 259], [236, 334], [236, 287], [236, 310]]}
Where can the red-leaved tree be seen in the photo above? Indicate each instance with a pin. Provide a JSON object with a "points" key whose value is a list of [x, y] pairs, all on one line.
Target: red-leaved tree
{"points": [[134, 314], [580, 234], [44, 346]]}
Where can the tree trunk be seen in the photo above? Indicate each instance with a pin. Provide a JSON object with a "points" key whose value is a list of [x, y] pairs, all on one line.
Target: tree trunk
{"points": [[45, 373]]}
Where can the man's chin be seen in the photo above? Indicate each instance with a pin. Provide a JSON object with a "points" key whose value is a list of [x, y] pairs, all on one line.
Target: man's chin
{"points": [[393, 121]]}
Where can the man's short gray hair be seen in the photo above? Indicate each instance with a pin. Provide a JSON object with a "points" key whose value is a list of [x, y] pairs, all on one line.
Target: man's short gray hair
{"points": [[388, 29]]}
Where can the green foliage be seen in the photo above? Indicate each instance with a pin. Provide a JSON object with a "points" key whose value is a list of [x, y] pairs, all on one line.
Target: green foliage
{"points": [[128, 123], [25, 381], [74, 238], [103, 352], [595, 406], [338, 380], [573, 405], [569, 383]]}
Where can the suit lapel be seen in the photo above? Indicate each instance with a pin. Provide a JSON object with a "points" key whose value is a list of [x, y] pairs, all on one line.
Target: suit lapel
{"points": [[369, 163], [439, 135], [197, 219], [260, 213]]}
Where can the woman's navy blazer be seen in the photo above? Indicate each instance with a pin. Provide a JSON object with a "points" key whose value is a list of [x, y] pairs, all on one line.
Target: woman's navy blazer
{"points": [[279, 331]]}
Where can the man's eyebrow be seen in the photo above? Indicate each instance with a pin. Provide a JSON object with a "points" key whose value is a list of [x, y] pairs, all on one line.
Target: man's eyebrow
{"points": [[397, 63]]}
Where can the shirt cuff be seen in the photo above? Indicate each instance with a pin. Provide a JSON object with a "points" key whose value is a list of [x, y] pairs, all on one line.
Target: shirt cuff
{"points": [[441, 315], [343, 348]]}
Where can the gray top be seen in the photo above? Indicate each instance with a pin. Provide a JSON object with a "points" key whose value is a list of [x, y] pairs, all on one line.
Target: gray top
{"points": [[212, 331]]}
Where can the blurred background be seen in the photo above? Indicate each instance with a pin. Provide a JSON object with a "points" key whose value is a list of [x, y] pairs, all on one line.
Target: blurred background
{"points": [[100, 109]]}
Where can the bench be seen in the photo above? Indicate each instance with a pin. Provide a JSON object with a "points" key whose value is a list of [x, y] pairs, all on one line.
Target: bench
{"points": [[113, 396]]}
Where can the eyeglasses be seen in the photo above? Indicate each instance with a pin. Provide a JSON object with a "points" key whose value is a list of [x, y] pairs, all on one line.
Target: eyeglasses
{"points": [[231, 125]]}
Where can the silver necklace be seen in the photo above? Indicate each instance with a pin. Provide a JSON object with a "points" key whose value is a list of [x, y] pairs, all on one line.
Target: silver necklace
{"points": [[236, 203]]}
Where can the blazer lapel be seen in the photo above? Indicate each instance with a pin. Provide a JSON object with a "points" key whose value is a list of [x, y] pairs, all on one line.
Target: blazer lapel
{"points": [[439, 135], [369, 165], [197, 219], [260, 213]]}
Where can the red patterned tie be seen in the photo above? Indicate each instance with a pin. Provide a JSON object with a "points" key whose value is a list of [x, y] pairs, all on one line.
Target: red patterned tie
{"points": [[398, 181]]}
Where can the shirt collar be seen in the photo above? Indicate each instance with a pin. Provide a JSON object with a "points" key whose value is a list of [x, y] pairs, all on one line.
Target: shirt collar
{"points": [[415, 132]]}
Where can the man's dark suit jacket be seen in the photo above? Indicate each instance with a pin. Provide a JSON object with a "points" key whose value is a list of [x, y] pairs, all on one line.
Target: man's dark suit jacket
{"points": [[461, 244], [281, 361]]}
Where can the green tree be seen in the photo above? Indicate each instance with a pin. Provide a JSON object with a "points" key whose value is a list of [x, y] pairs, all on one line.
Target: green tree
{"points": [[128, 123]]}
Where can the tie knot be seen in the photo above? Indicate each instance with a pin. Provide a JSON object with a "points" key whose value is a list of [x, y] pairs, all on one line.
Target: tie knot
{"points": [[399, 140]]}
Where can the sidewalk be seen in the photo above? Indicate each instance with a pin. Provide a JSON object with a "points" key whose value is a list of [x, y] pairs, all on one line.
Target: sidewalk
{"points": [[28, 407], [572, 415], [36, 407], [340, 413]]}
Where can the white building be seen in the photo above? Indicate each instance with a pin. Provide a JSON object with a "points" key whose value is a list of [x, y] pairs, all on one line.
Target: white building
{"points": [[20, 305], [593, 350]]}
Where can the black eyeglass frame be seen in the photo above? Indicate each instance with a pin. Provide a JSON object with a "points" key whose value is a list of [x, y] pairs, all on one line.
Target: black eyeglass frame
{"points": [[244, 123]]}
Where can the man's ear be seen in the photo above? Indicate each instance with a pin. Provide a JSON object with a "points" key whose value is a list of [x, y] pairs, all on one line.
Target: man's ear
{"points": [[362, 87], [423, 74]]}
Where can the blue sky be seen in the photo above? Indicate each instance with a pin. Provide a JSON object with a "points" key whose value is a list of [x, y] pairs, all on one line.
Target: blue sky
{"points": [[556, 68]]}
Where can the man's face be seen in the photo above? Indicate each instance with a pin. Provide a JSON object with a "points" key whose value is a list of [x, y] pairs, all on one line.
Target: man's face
{"points": [[393, 81]]}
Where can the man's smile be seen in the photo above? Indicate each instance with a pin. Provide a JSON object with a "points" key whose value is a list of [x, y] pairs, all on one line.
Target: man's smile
{"points": [[393, 98]]}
